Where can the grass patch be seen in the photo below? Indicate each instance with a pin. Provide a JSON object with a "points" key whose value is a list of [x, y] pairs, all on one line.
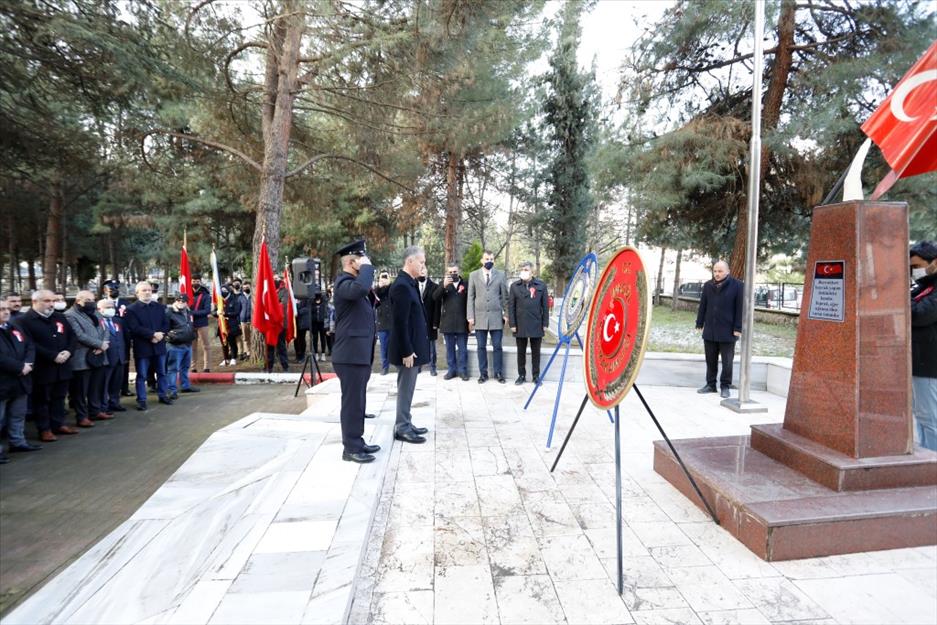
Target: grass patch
{"points": [[675, 331]]}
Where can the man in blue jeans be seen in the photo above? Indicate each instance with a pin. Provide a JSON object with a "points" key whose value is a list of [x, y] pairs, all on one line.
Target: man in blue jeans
{"points": [[179, 352], [487, 314], [147, 326], [385, 318]]}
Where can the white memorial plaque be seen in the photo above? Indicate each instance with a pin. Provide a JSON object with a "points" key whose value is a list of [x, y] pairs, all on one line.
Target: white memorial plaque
{"points": [[828, 297]]}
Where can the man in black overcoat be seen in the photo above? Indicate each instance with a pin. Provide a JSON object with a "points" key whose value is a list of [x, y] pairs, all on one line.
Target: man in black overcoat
{"points": [[452, 296], [720, 319], [17, 356], [353, 349], [528, 317]]}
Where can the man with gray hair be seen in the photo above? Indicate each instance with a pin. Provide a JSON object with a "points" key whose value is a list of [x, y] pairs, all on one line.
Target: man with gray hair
{"points": [[409, 341], [719, 318], [528, 317]]}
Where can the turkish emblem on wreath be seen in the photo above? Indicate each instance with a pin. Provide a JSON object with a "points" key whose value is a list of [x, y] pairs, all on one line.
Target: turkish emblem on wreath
{"points": [[617, 328]]}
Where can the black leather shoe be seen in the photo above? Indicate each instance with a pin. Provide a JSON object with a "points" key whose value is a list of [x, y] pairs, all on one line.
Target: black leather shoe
{"points": [[174, 396], [419, 431], [724, 393], [501, 379], [432, 371], [371, 449], [360, 457], [165, 400], [536, 378], [26, 447], [192, 389], [482, 379], [706, 389], [117, 409], [520, 380], [448, 376], [465, 378], [141, 407], [409, 437], [370, 415]]}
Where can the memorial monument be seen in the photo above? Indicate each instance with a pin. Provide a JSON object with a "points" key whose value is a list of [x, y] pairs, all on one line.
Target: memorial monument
{"points": [[841, 474]]}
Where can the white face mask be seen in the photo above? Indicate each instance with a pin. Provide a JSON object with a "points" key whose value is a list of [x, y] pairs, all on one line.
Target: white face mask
{"points": [[59, 305], [108, 312], [525, 275], [918, 272]]}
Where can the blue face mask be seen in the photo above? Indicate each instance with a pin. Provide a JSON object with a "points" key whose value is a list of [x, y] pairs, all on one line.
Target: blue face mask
{"points": [[489, 265]]}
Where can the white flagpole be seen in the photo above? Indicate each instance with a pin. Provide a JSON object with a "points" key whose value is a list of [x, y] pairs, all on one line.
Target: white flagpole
{"points": [[743, 403]]}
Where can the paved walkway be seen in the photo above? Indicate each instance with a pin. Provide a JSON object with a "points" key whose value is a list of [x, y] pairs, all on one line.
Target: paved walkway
{"points": [[473, 528]]}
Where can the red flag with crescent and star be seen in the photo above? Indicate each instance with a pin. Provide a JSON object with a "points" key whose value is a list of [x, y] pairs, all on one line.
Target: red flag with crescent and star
{"points": [[267, 315], [185, 275], [904, 126]]}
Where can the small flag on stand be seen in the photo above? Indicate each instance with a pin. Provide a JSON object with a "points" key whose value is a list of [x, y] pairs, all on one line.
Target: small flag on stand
{"points": [[290, 306], [216, 299], [267, 316]]}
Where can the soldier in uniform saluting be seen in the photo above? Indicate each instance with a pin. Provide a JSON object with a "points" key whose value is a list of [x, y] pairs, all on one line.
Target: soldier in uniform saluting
{"points": [[353, 350]]}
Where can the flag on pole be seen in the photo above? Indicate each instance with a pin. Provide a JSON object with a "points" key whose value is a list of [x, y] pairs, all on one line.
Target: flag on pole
{"points": [[290, 306], [904, 126], [267, 316], [216, 299], [185, 274]]}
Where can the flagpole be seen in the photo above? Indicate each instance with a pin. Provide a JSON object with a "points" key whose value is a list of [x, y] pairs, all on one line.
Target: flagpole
{"points": [[743, 403]]}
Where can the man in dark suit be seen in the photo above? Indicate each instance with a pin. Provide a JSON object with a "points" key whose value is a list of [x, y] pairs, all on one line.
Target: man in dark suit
{"points": [[452, 296], [17, 356], [353, 350], [121, 304], [55, 343], [116, 355], [431, 312], [719, 318], [148, 326], [528, 317], [409, 343]]}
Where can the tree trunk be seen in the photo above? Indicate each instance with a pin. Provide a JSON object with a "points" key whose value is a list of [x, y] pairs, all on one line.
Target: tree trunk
{"points": [[453, 206], [14, 265], [64, 275], [660, 276], [31, 266], [676, 281], [770, 116], [510, 234], [53, 245]]}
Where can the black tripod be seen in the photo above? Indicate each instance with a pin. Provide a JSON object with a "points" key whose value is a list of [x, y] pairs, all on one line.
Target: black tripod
{"points": [[313, 357]]}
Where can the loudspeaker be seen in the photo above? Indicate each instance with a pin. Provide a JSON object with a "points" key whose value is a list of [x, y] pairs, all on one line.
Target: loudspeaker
{"points": [[307, 277]]}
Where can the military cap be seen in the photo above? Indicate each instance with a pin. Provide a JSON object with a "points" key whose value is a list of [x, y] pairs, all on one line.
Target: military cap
{"points": [[112, 284], [358, 248]]}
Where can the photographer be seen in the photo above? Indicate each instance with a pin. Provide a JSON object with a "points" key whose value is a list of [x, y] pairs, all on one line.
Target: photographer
{"points": [[179, 352], [385, 317], [452, 296]]}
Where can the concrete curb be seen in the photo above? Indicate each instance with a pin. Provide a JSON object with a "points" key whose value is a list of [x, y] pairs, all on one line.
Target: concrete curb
{"points": [[249, 378]]}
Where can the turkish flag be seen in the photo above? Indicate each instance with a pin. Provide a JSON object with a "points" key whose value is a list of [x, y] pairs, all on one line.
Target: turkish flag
{"points": [[267, 316], [185, 275], [904, 125]]}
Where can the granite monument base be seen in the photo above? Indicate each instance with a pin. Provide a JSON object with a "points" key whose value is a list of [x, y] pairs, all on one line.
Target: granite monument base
{"points": [[781, 514]]}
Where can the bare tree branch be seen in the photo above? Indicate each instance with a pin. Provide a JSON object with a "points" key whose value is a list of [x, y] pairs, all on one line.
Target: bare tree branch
{"points": [[214, 144], [230, 57], [320, 157]]}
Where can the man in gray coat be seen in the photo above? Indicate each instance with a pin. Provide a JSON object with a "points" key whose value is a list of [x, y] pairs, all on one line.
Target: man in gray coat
{"points": [[89, 361], [486, 309]]}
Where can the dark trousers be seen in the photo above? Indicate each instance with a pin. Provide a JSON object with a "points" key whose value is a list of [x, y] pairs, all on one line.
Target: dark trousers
{"points": [[113, 381], [229, 348], [299, 344], [144, 366], [522, 355], [481, 336], [384, 337], [49, 404], [715, 351], [320, 342], [85, 390], [281, 354], [125, 370], [354, 383], [406, 384], [457, 352]]}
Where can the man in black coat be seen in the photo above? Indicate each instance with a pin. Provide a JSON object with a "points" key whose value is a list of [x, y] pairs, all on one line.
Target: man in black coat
{"points": [[923, 265], [720, 319], [303, 318], [17, 356], [431, 312], [121, 304], [117, 351], [385, 318], [528, 318], [353, 350], [409, 341], [452, 296], [54, 341], [147, 326]]}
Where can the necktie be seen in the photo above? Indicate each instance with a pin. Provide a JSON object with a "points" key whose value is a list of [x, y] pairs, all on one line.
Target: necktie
{"points": [[487, 279], [110, 326]]}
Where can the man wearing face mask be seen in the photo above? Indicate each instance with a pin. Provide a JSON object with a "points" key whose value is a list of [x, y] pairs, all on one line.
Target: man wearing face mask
{"points": [[431, 311], [201, 309], [179, 351], [923, 261], [719, 318], [452, 296], [116, 356], [528, 316], [247, 308], [17, 355], [55, 343], [147, 326], [232, 315], [487, 314], [245, 304], [89, 361], [112, 292]]}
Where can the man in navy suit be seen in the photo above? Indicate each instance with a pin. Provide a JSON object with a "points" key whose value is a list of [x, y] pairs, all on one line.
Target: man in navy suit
{"points": [[353, 350], [148, 327], [17, 356], [409, 340], [117, 351]]}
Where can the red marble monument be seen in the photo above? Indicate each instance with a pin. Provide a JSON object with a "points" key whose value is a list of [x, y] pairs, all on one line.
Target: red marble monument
{"points": [[841, 474]]}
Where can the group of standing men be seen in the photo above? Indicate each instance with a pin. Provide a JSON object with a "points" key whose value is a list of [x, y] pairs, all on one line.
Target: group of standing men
{"points": [[410, 311]]}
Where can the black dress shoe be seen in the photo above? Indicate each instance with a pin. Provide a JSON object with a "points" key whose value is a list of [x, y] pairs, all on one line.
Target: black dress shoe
{"points": [[432, 371], [501, 379], [191, 389], [141, 407], [117, 409], [448, 376], [724, 393], [371, 449], [465, 378], [482, 379], [165, 400], [174, 396], [520, 380], [359, 457], [370, 415], [409, 437], [419, 431], [536, 378], [706, 389], [26, 447]]}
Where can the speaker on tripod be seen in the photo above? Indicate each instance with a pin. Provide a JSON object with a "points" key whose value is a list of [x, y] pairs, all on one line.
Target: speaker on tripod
{"points": [[307, 283]]}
